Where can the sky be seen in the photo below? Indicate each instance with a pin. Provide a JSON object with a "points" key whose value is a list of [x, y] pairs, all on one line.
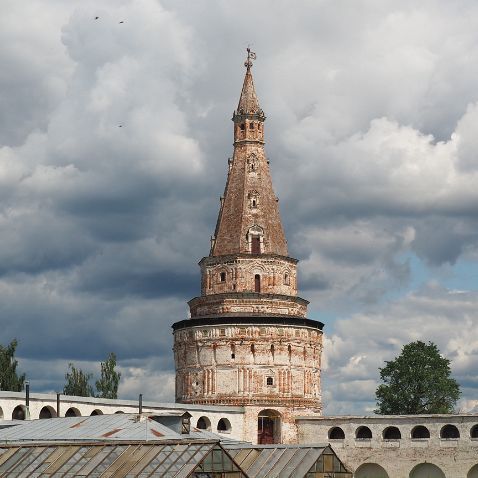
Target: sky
{"points": [[114, 138]]}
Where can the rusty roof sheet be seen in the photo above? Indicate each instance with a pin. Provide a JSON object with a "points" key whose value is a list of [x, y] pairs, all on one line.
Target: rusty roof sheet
{"points": [[94, 428]]}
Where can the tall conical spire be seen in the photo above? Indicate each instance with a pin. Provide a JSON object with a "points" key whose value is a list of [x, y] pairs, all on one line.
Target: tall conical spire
{"points": [[249, 211], [248, 341], [248, 102]]}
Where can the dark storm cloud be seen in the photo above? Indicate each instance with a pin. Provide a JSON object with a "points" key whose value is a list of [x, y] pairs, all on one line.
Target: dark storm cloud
{"points": [[114, 141]]}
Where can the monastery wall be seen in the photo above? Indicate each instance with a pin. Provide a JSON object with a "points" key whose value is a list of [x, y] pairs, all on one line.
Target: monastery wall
{"points": [[400, 456], [43, 405]]}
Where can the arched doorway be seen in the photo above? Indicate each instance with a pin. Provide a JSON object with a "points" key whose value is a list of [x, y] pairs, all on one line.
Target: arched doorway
{"points": [[73, 412], [370, 470], [19, 412], [473, 473], [47, 412], [426, 470], [268, 427]]}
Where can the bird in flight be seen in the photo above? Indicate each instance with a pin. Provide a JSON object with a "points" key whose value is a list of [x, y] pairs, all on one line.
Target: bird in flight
{"points": [[96, 18], [122, 21]]}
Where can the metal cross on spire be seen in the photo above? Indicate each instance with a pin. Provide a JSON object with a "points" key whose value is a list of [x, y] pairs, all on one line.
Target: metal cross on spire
{"points": [[250, 56]]}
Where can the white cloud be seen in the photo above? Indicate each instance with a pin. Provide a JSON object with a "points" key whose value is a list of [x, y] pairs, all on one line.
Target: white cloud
{"points": [[113, 145]]}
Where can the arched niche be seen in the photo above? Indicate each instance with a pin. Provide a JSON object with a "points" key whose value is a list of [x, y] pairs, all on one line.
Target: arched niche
{"points": [[203, 423], [73, 412], [47, 412], [269, 427], [370, 470], [95, 412], [420, 432], [473, 473], [427, 470], [392, 433], [474, 431], [19, 412], [449, 431], [224, 426], [1, 413], [363, 433], [255, 239], [336, 433], [119, 412]]}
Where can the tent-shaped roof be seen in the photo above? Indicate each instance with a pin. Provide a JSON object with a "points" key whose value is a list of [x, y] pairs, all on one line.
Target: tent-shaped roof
{"points": [[284, 461]]}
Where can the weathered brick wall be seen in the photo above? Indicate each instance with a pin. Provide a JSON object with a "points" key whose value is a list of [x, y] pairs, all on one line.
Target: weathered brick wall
{"points": [[232, 364], [236, 273], [252, 304], [248, 201]]}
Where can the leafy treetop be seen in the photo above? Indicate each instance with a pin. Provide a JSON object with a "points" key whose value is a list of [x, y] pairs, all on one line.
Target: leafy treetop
{"points": [[77, 382], [107, 385], [9, 378], [417, 382]]}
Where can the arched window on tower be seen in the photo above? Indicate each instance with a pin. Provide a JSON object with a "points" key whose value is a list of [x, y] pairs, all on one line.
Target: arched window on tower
{"points": [[255, 234], [257, 283]]}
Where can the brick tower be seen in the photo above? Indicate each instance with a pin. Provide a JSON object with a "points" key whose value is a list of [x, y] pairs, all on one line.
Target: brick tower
{"points": [[248, 341]]}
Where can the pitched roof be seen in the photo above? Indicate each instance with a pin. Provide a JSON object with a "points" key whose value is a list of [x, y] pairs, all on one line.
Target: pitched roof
{"points": [[286, 461]]}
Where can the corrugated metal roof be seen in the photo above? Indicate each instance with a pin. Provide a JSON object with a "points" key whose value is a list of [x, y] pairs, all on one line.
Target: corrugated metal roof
{"points": [[286, 461], [100, 427]]}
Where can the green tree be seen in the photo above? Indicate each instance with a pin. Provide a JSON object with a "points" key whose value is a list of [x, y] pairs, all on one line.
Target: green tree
{"points": [[107, 385], [417, 381], [77, 382], [9, 378]]}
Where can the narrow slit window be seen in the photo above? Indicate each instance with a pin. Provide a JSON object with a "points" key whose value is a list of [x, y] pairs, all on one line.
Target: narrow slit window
{"points": [[222, 277], [251, 125], [243, 127], [270, 381], [257, 283]]}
